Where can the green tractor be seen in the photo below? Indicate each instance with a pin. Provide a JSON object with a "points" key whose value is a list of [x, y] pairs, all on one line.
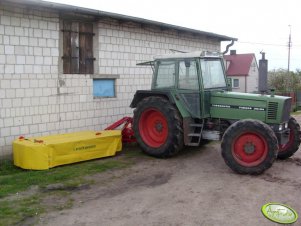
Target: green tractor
{"points": [[190, 104]]}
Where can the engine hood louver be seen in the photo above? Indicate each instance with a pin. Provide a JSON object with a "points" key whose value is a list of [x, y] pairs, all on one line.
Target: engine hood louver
{"points": [[272, 110]]}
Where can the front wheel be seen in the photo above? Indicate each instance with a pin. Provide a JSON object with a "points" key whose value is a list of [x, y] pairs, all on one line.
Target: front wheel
{"points": [[288, 149], [249, 147]]}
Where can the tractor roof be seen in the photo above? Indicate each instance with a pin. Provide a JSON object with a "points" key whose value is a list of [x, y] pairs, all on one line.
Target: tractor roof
{"points": [[182, 55], [201, 54]]}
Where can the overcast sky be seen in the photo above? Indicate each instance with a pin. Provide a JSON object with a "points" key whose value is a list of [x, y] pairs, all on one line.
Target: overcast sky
{"points": [[259, 25]]}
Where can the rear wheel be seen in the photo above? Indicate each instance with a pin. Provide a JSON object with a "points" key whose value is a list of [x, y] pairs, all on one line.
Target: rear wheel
{"points": [[249, 147], [288, 149], [158, 127]]}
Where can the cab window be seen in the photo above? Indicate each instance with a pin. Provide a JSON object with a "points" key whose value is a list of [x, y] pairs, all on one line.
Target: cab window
{"points": [[212, 73], [188, 75], [166, 74]]}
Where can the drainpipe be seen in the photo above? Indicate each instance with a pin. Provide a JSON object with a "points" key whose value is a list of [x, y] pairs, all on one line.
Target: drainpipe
{"points": [[228, 46]]}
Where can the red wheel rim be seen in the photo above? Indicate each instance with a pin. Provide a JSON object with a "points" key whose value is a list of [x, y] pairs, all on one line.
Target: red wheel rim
{"points": [[250, 149], [153, 128], [284, 147]]}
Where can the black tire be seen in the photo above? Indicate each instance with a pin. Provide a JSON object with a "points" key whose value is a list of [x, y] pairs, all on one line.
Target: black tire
{"points": [[169, 124], [249, 147], [286, 151]]}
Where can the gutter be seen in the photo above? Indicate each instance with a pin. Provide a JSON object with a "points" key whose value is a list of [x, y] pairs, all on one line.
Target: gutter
{"points": [[98, 13]]}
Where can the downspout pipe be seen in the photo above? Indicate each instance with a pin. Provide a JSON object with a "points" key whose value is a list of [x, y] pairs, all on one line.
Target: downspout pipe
{"points": [[229, 45]]}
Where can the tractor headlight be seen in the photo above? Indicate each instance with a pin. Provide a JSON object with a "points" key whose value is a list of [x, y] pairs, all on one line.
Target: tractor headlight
{"points": [[280, 127], [286, 125]]}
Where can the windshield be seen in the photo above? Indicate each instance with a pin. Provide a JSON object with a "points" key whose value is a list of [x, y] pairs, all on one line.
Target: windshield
{"points": [[213, 74]]}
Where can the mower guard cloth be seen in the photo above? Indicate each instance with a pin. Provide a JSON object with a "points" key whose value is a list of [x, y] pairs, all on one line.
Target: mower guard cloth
{"points": [[40, 153]]}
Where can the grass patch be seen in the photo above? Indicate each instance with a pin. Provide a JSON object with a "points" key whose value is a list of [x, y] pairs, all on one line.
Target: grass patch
{"points": [[13, 212], [24, 211], [13, 179], [133, 152], [55, 185]]}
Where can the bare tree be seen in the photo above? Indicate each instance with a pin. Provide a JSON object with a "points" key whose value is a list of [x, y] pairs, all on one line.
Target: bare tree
{"points": [[282, 81]]}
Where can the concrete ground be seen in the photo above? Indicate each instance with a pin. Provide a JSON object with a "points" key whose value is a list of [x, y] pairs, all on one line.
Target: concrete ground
{"points": [[194, 188]]}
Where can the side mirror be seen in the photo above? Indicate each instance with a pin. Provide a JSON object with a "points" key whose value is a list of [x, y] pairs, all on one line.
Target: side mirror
{"points": [[229, 84]]}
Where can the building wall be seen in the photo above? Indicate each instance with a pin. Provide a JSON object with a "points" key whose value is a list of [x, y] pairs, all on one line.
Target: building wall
{"points": [[36, 99], [242, 83], [249, 83], [252, 78]]}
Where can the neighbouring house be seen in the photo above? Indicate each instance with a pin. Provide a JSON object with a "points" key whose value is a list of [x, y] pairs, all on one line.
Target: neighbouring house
{"points": [[242, 69], [65, 68]]}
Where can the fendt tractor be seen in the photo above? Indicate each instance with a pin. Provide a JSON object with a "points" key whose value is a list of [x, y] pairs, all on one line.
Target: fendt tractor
{"points": [[190, 103]]}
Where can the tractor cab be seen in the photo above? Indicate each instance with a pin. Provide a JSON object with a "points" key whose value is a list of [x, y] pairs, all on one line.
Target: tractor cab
{"points": [[190, 77], [189, 71]]}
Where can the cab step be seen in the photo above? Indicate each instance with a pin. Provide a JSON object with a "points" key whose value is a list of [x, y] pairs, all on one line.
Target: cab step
{"points": [[196, 125], [193, 144], [195, 135]]}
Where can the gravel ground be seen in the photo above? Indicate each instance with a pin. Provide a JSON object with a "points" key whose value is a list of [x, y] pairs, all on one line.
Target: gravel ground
{"points": [[193, 188]]}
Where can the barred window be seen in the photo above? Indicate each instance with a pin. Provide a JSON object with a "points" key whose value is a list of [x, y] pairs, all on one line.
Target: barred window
{"points": [[78, 47]]}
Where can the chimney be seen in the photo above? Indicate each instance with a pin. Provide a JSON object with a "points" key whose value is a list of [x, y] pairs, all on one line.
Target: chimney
{"points": [[233, 52], [263, 74]]}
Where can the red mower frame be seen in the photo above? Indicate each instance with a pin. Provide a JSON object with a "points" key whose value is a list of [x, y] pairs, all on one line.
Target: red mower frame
{"points": [[127, 131]]}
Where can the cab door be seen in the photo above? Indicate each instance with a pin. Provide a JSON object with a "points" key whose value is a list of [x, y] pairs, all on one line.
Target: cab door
{"points": [[188, 85]]}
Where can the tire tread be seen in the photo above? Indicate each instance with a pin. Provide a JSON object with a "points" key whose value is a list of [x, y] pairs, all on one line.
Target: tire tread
{"points": [[295, 146], [174, 141], [244, 126]]}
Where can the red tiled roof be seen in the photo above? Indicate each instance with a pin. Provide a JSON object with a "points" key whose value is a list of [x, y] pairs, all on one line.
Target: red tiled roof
{"points": [[239, 64]]}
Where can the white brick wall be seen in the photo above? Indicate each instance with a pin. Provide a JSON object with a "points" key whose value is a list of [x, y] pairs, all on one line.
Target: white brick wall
{"points": [[36, 100]]}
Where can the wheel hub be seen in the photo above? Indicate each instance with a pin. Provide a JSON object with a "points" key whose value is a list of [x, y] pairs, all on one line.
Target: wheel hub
{"points": [[159, 126], [249, 148]]}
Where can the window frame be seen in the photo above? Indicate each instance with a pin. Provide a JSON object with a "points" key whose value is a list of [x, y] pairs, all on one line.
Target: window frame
{"points": [[114, 77], [88, 55], [233, 84], [105, 79]]}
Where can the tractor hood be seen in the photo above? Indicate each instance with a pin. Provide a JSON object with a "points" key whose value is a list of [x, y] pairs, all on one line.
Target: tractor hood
{"points": [[271, 109]]}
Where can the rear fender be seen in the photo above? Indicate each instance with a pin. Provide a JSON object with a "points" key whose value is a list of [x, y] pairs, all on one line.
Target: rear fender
{"points": [[141, 94], [187, 120]]}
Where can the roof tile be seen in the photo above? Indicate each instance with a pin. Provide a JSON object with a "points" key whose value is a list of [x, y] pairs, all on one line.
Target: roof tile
{"points": [[239, 64]]}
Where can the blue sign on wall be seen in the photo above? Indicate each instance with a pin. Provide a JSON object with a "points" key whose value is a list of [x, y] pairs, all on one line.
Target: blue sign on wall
{"points": [[104, 87]]}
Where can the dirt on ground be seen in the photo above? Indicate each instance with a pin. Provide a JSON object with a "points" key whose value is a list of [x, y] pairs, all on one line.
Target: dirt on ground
{"points": [[193, 188]]}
